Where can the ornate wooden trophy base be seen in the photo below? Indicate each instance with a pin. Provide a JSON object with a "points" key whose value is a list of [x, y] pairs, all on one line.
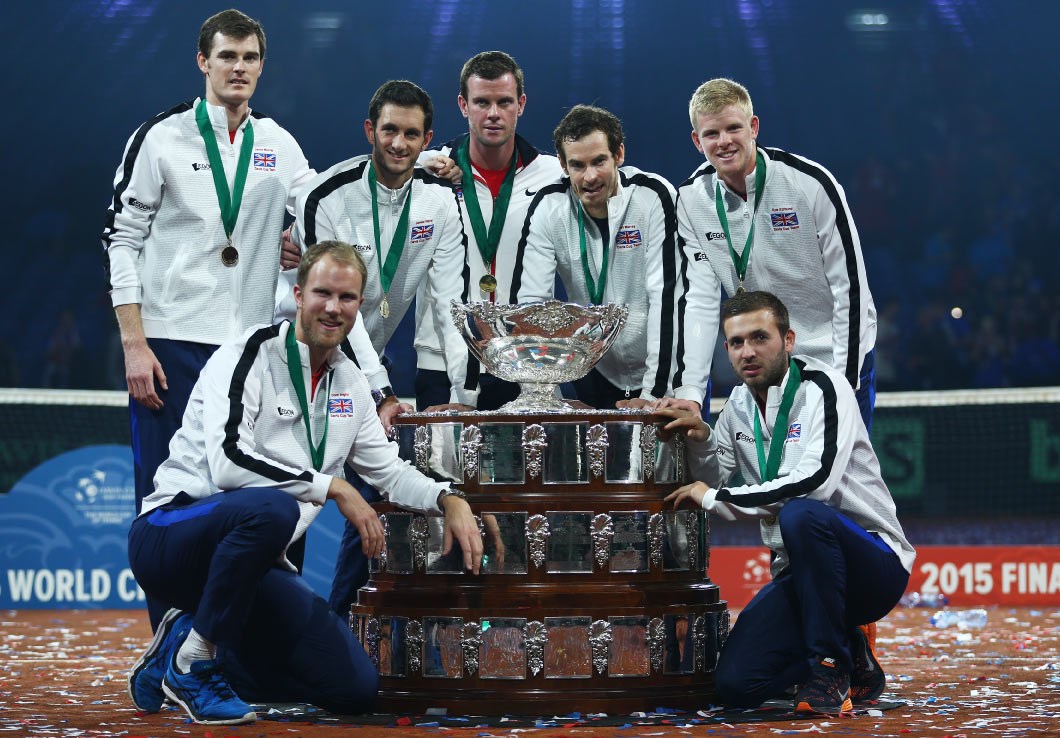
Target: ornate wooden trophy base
{"points": [[593, 595]]}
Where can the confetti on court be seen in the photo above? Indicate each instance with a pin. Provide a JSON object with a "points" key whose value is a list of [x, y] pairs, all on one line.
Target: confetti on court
{"points": [[62, 673]]}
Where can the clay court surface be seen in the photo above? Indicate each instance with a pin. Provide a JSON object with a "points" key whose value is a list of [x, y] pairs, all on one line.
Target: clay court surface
{"points": [[62, 673]]}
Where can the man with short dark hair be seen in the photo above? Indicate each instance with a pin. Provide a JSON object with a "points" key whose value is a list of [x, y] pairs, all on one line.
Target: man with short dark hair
{"points": [[407, 225], [497, 173], [611, 233], [192, 236], [791, 450], [752, 217], [271, 421]]}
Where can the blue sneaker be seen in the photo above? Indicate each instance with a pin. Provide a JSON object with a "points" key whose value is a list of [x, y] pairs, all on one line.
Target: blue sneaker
{"points": [[145, 679], [205, 695]]}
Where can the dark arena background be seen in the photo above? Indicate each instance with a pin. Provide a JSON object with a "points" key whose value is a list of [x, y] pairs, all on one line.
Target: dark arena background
{"points": [[936, 116]]}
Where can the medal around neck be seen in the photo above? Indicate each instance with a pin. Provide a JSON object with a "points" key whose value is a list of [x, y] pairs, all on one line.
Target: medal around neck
{"points": [[487, 283], [540, 345], [230, 255]]}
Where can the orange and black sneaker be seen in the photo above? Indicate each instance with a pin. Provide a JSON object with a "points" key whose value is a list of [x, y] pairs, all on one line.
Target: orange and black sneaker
{"points": [[827, 691], [867, 679]]}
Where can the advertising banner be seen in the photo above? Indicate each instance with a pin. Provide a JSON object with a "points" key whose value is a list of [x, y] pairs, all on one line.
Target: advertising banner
{"points": [[966, 575]]}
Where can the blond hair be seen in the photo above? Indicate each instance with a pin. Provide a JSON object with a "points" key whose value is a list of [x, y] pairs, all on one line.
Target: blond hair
{"points": [[340, 251], [715, 95]]}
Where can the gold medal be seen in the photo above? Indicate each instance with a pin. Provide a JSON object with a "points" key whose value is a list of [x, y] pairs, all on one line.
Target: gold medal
{"points": [[740, 290], [384, 307], [488, 283], [229, 255]]}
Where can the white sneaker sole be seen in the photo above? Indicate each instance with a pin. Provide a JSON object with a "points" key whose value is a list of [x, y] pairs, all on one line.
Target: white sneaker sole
{"points": [[250, 717]]}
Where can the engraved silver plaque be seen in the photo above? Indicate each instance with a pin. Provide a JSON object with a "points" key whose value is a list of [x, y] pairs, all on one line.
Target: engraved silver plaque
{"points": [[393, 659], [704, 523], [504, 547], [679, 644], [420, 534], [501, 455], [624, 457], [535, 635], [602, 531], [470, 643], [600, 638], [399, 556], [676, 541], [422, 447], [679, 454], [656, 642], [539, 345], [692, 535], [597, 444], [534, 443], [371, 640], [502, 654], [723, 628], [414, 646], [471, 446], [647, 450], [379, 562], [567, 651], [667, 464], [699, 641], [537, 534], [570, 543], [565, 458], [656, 523], [444, 462], [630, 649], [438, 562], [629, 544], [443, 653]]}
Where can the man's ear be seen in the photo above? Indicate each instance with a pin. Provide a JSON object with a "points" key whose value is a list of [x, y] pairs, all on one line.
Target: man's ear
{"points": [[789, 341]]}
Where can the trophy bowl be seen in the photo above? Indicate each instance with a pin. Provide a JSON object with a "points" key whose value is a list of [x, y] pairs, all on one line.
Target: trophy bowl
{"points": [[539, 345]]}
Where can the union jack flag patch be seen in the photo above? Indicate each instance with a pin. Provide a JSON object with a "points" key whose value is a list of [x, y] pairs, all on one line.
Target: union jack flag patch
{"points": [[795, 431], [264, 159], [340, 406], [628, 237], [422, 232], [784, 220]]}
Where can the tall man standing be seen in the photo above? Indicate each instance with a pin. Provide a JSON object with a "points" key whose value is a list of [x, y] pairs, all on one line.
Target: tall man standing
{"points": [[498, 172], [271, 421], [755, 218], [611, 233], [192, 234]]}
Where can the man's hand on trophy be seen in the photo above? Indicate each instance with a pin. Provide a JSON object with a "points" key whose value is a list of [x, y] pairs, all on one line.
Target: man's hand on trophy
{"points": [[389, 409], [634, 403], [450, 407], [687, 419], [460, 524], [691, 495]]}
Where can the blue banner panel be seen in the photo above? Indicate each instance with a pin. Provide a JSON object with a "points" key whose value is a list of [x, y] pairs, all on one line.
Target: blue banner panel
{"points": [[63, 533]]}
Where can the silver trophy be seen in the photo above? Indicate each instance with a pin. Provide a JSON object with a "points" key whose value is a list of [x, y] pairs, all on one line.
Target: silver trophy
{"points": [[540, 345]]}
